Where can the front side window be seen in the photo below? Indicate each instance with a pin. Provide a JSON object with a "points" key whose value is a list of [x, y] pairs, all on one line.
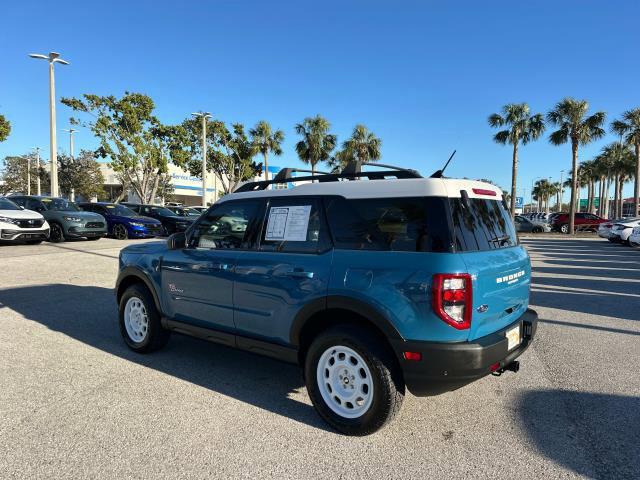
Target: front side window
{"points": [[412, 224], [228, 226], [294, 225], [481, 224]]}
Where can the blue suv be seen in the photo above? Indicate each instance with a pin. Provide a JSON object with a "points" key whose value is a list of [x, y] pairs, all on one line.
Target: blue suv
{"points": [[374, 282], [123, 223]]}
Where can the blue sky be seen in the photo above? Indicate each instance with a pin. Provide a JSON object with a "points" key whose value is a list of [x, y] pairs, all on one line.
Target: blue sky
{"points": [[423, 76]]}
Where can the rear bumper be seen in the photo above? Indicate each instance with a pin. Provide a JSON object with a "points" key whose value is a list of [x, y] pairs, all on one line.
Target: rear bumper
{"points": [[449, 366]]}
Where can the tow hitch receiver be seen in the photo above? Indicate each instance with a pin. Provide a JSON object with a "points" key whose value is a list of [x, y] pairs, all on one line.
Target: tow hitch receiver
{"points": [[512, 367]]}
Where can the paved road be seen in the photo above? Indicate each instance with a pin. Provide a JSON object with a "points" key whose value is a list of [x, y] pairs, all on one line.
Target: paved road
{"points": [[75, 403]]}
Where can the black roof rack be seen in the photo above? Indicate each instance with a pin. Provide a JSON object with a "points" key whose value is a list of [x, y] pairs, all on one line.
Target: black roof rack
{"points": [[352, 171]]}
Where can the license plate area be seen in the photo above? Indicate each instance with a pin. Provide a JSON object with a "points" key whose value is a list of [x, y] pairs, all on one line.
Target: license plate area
{"points": [[513, 337]]}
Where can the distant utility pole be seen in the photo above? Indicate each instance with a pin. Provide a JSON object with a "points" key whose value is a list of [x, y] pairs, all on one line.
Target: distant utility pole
{"points": [[38, 190], [52, 58], [204, 116], [28, 174], [71, 131], [561, 191]]}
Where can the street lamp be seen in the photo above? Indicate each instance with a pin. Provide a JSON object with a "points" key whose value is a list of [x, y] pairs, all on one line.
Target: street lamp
{"points": [[52, 58], [204, 116], [71, 131]]}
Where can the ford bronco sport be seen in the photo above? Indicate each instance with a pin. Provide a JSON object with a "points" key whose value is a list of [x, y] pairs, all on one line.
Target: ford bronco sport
{"points": [[372, 281]]}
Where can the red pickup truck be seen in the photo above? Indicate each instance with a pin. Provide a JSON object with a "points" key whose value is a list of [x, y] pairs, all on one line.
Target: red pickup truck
{"points": [[583, 221]]}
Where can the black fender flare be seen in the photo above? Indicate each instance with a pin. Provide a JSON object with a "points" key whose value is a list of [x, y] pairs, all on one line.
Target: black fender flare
{"points": [[141, 275], [358, 307]]}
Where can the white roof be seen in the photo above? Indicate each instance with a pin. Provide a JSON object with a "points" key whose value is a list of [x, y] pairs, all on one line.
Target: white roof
{"points": [[409, 187]]}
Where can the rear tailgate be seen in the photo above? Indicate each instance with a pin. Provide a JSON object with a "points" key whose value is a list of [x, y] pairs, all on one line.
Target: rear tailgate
{"points": [[501, 283]]}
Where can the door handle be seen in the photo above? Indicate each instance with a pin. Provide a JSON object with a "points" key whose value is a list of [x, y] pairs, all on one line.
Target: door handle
{"points": [[299, 274], [220, 266]]}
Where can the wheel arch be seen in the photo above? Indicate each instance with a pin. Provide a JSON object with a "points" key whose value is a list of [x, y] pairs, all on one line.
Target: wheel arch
{"points": [[327, 312], [131, 276]]}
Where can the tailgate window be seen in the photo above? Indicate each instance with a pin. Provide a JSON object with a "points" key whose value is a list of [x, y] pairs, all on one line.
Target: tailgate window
{"points": [[481, 225]]}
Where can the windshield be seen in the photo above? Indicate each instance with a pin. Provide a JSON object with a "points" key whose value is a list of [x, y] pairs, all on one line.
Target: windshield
{"points": [[163, 211], [481, 224], [60, 205], [8, 205], [120, 210]]}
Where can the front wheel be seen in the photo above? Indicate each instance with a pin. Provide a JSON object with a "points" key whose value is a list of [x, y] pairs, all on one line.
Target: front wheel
{"points": [[140, 321], [120, 232], [353, 381], [56, 233], [564, 228], [536, 230]]}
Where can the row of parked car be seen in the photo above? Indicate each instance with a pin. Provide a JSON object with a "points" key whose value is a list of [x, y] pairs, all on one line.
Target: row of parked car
{"points": [[622, 230], [33, 219]]}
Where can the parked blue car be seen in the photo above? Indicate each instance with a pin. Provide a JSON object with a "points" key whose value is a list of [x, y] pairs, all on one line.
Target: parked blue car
{"points": [[123, 222], [373, 286]]}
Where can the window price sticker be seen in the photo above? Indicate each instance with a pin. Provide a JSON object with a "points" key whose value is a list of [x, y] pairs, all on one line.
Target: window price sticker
{"points": [[288, 223]]}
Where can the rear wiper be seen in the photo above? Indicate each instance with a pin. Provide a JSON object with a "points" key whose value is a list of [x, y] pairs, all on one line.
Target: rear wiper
{"points": [[502, 239]]}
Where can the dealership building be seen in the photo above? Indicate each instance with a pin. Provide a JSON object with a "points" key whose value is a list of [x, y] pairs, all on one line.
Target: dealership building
{"points": [[187, 188]]}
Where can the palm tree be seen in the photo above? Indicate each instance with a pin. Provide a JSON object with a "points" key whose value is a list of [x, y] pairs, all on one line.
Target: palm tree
{"points": [[570, 116], [618, 164], [317, 143], [363, 146], [522, 127], [266, 141], [629, 126]]}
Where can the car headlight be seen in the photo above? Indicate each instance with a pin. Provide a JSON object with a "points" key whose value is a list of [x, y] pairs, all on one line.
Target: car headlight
{"points": [[9, 220], [72, 219], [136, 224]]}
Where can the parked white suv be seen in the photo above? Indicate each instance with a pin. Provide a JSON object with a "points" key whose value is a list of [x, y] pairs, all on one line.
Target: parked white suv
{"points": [[19, 225]]}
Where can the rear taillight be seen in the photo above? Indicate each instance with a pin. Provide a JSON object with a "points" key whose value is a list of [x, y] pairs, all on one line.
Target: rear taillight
{"points": [[452, 298]]}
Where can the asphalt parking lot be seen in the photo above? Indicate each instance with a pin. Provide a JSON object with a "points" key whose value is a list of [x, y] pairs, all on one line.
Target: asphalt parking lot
{"points": [[76, 403]]}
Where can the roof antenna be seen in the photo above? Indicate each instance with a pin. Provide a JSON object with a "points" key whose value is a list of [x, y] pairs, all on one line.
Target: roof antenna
{"points": [[438, 173]]}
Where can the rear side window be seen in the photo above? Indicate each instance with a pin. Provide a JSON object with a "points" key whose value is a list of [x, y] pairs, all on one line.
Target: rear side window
{"points": [[480, 225], [398, 224], [294, 225]]}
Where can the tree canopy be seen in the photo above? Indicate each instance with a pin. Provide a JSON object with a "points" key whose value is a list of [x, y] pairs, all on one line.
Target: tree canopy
{"points": [[81, 173], [134, 140], [317, 143], [5, 128]]}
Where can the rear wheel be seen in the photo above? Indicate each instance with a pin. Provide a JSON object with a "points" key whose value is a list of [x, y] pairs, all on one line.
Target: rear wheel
{"points": [[56, 233], [140, 321], [120, 232], [536, 230], [353, 381], [564, 228]]}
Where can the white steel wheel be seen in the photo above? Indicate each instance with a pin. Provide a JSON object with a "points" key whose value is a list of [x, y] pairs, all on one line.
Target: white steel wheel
{"points": [[345, 382], [136, 319]]}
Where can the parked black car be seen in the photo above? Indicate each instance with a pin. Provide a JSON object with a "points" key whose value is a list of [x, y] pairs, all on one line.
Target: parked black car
{"points": [[171, 223]]}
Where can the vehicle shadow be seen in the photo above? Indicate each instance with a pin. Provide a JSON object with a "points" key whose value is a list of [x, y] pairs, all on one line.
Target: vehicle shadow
{"points": [[256, 380], [596, 435]]}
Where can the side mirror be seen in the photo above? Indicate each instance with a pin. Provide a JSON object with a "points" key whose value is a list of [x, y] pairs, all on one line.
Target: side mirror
{"points": [[177, 241]]}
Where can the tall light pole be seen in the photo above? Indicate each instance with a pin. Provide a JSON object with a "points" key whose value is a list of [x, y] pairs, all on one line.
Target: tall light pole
{"points": [[71, 131], [204, 116], [52, 58]]}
